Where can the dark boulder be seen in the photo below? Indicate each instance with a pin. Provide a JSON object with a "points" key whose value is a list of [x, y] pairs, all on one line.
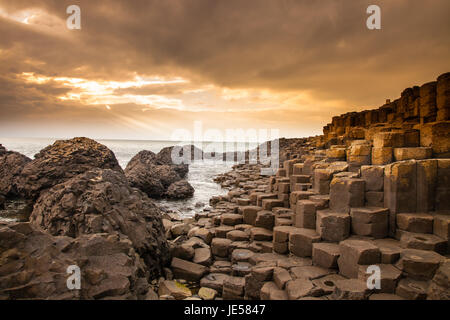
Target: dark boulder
{"points": [[165, 157], [61, 161], [143, 178], [166, 174], [139, 173], [11, 165], [101, 201], [180, 190], [34, 265], [154, 174], [145, 157]]}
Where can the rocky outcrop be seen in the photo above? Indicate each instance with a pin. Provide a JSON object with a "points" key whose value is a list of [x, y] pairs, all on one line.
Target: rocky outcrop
{"points": [[180, 190], [154, 174], [34, 265], [139, 174], [164, 157], [421, 114], [61, 161], [11, 165], [101, 201], [371, 192]]}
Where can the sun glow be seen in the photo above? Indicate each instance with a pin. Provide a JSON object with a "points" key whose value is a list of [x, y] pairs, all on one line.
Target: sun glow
{"points": [[176, 93], [103, 92]]}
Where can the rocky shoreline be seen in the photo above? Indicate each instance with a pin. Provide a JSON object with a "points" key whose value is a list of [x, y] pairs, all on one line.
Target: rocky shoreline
{"points": [[373, 190]]}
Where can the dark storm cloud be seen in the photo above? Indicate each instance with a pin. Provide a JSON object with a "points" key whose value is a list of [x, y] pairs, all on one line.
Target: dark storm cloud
{"points": [[320, 47]]}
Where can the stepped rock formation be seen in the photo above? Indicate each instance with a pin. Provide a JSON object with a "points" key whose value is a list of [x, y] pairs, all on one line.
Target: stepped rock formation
{"points": [[373, 191], [62, 161], [419, 118]]}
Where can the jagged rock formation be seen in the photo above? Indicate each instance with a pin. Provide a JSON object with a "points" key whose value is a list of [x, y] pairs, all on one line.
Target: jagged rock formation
{"points": [[11, 165], [86, 214], [101, 201], [33, 265], [62, 161], [158, 176]]}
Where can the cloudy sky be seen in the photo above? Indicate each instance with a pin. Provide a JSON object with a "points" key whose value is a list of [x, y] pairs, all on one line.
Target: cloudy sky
{"points": [[140, 69]]}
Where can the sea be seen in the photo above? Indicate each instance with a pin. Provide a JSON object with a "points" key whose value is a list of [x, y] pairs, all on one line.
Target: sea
{"points": [[200, 176]]}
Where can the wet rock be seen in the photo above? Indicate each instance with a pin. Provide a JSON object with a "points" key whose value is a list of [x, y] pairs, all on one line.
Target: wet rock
{"points": [[207, 293], [174, 289], [180, 190], [214, 281]]}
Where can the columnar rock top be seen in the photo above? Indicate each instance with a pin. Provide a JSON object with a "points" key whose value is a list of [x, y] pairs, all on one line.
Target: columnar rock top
{"points": [[424, 109]]}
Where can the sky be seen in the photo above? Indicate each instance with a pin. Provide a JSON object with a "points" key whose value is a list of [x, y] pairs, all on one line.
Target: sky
{"points": [[152, 69]]}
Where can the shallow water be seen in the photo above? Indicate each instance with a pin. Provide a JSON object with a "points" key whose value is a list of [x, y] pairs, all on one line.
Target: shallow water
{"points": [[200, 176]]}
